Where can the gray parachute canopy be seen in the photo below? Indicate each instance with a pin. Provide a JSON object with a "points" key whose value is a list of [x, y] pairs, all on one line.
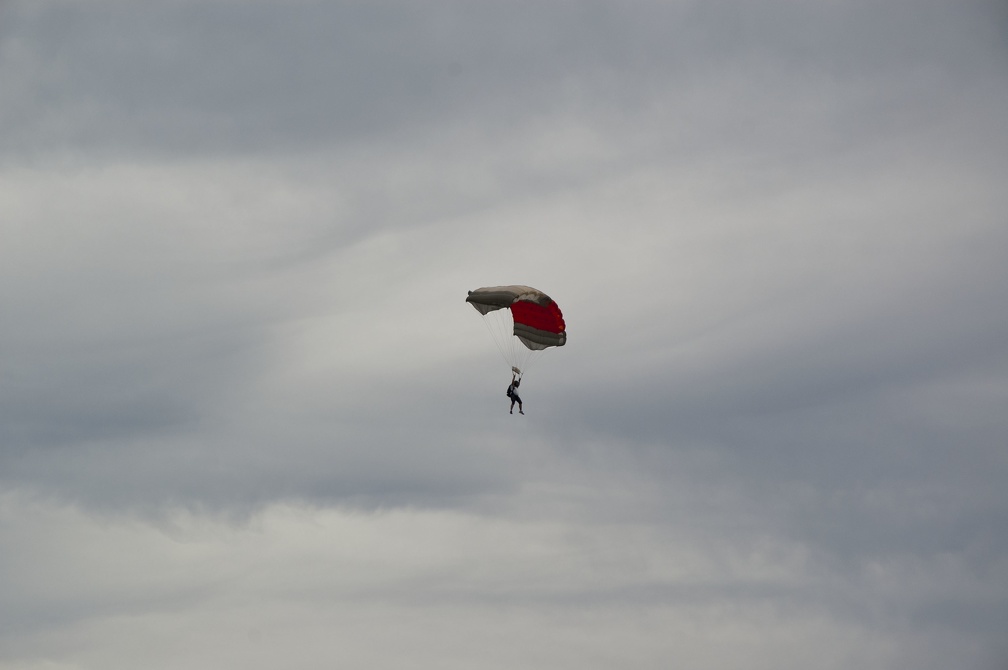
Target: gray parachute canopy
{"points": [[537, 320]]}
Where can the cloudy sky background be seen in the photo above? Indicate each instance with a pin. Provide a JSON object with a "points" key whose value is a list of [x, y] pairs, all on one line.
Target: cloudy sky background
{"points": [[247, 419]]}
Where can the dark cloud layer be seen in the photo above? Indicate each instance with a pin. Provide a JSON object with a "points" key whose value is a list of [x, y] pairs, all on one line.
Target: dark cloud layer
{"points": [[221, 77]]}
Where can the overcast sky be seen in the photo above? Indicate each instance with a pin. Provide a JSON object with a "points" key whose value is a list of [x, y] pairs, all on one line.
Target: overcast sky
{"points": [[248, 420]]}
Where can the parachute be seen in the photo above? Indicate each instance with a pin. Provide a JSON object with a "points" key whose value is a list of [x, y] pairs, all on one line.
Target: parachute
{"points": [[522, 321]]}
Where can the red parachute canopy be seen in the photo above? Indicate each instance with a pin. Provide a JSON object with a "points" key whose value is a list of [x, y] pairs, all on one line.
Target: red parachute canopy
{"points": [[521, 320]]}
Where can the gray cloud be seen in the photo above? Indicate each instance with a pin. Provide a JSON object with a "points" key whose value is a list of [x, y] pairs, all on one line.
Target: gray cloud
{"points": [[243, 403]]}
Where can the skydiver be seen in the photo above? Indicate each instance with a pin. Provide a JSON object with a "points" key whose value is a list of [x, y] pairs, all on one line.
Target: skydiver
{"points": [[512, 393]]}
